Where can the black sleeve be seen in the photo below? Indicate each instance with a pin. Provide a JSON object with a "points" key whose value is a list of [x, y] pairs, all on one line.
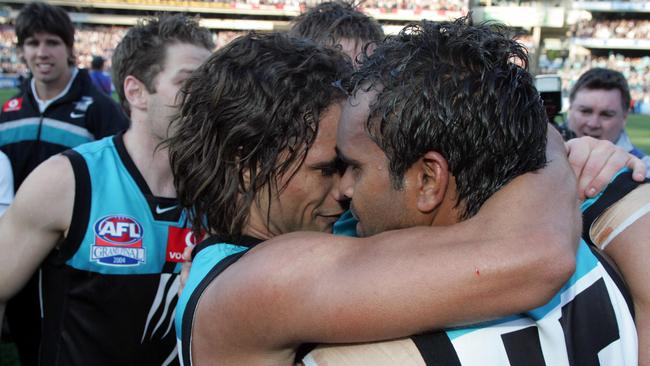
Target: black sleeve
{"points": [[80, 212]]}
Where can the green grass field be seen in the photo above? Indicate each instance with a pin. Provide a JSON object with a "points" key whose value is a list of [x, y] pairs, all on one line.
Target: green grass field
{"points": [[638, 127]]}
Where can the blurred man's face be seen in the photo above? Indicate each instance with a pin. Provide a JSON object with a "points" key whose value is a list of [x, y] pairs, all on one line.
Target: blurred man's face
{"points": [[47, 57], [181, 59], [597, 113], [353, 48]]}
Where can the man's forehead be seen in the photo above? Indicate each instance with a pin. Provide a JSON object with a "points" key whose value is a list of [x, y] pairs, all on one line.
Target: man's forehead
{"points": [[352, 138], [179, 56], [354, 114], [607, 98], [45, 34]]}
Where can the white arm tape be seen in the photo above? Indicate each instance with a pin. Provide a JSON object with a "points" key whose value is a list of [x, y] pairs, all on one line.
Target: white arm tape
{"points": [[620, 216]]}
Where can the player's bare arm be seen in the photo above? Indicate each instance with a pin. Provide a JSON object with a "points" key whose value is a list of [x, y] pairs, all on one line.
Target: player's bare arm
{"points": [[594, 162], [312, 287], [34, 223], [631, 252]]}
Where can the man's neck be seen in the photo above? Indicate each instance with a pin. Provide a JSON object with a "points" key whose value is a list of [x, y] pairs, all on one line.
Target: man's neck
{"points": [[49, 90], [151, 160]]}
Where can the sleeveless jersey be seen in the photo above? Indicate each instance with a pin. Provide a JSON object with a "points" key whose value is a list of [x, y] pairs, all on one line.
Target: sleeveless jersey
{"points": [[109, 291], [562, 332], [209, 259], [589, 322]]}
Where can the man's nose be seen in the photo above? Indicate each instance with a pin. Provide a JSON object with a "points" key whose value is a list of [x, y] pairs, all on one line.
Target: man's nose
{"points": [[345, 186], [593, 121], [42, 50]]}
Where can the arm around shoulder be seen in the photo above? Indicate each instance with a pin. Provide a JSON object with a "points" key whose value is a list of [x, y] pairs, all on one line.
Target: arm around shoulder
{"points": [[35, 222], [308, 287]]}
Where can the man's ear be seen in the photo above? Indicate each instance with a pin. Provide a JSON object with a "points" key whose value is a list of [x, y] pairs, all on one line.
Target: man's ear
{"points": [[433, 180], [135, 93]]}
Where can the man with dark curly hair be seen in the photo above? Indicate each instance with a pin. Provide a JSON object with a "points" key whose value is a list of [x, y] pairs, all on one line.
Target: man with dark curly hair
{"points": [[253, 158], [452, 118]]}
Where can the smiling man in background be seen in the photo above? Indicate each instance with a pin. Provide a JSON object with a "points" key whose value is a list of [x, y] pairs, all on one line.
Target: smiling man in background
{"points": [[600, 101], [58, 109]]}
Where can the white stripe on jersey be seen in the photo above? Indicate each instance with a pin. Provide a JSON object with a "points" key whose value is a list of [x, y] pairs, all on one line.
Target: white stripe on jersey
{"points": [[50, 122], [484, 346]]}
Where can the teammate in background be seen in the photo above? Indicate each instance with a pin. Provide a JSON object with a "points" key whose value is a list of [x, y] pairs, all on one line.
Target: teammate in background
{"points": [[249, 180], [97, 75], [338, 24], [58, 108], [600, 101], [111, 230]]}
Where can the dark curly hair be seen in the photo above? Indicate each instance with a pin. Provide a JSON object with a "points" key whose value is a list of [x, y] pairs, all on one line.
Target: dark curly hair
{"points": [[329, 22], [462, 90], [39, 17], [248, 116], [142, 51]]}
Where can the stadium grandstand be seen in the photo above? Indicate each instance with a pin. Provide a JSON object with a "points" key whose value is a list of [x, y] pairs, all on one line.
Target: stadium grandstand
{"points": [[563, 36], [612, 34]]}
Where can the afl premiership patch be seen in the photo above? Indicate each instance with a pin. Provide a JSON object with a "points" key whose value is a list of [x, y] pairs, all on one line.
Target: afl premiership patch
{"points": [[118, 241]]}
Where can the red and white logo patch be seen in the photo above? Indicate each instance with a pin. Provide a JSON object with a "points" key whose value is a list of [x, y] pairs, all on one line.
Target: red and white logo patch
{"points": [[177, 240], [118, 241], [13, 105]]}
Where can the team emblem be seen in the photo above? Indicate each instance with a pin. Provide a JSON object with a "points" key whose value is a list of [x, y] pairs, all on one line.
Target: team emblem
{"points": [[83, 104], [13, 105], [118, 241]]}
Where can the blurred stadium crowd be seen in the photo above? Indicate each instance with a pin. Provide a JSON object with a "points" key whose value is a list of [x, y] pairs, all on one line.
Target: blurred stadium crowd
{"points": [[301, 4], [616, 28], [89, 41], [101, 40], [635, 69]]}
